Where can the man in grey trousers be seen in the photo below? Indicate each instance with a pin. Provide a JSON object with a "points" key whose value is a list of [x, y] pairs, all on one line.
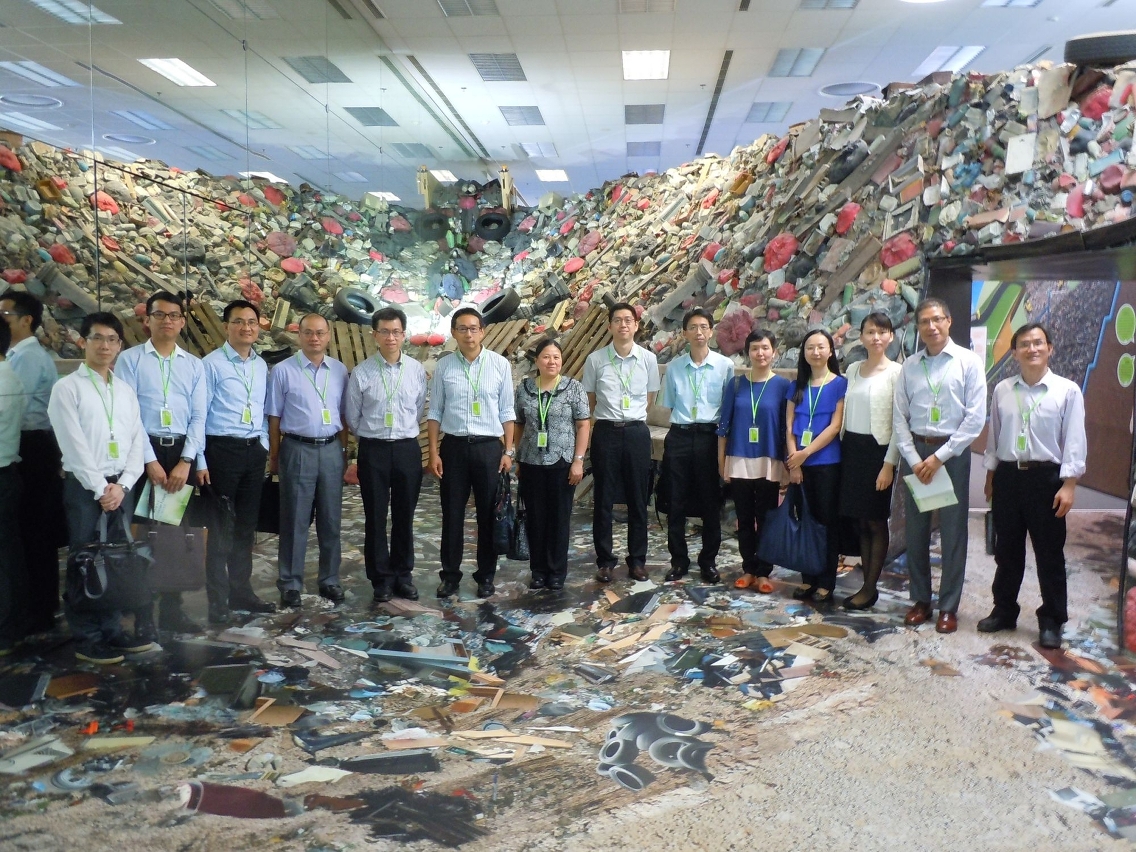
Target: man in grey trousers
{"points": [[307, 443], [940, 408]]}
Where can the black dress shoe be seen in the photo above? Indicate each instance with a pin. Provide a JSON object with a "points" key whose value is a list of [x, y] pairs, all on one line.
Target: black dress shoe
{"points": [[332, 593], [710, 576], [176, 621], [676, 573], [603, 575], [219, 615], [997, 621], [1050, 637], [804, 592], [382, 594], [291, 598], [254, 604], [485, 589], [405, 589], [556, 585], [637, 572], [448, 588], [537, 583]]}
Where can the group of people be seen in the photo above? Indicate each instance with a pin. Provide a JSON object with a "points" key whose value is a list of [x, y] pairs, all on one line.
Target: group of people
{"points": [[86, 444]]}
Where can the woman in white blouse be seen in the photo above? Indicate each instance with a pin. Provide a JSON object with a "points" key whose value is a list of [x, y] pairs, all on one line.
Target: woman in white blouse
{"points": [[870, 452]]}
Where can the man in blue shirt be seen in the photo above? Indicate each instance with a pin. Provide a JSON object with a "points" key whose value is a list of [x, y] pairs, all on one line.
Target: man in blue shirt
{"points": [[692, 389], [233, 462], [42, 527], [306, 445], [170, 386]]}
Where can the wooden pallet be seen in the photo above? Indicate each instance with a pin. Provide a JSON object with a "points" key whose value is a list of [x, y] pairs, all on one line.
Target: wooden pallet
{"points": [[202, 334], [588, 335], [503, 337], [351, 343]]}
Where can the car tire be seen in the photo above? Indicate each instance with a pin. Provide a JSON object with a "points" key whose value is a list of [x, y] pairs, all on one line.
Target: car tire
{"points": [[354, 305], [431, 226], [492, 227], [1104, 49], [500, 306]]}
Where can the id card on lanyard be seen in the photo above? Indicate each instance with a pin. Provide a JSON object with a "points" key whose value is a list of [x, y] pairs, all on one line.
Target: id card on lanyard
{"points": [[624, 381], [543, 405], [325, 412], [249, 382], [807, 435], [1021, 443], [166, 371], [474, 386], [755, 430], [390, 392], [107, 400]]}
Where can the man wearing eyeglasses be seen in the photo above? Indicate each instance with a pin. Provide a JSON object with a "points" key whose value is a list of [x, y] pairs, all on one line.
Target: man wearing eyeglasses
{"points": [[471, 402], [40, 467], [307, 443], [940, 408], [170, 386], [386, 399], [233, 462]]}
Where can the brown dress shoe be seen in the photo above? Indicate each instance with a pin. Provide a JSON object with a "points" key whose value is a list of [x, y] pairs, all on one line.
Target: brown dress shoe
{"points": [[603, 575], [918, 614], [637, 572], [947, 623]]}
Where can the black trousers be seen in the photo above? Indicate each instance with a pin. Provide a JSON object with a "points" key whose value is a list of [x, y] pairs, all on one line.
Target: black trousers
{"points": [[469, 466], [390, 475], [621, 465], [236, 474], [13, 571], [548, 512], [822, 490], [1022, 503], [691, 458], [42, 526], [753, 498]]}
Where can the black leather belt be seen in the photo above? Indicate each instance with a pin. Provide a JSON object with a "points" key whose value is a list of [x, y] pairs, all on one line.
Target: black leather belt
{"points": [[304, 439], [166, 440], [365, 440], [472, 439], [931, 440], [620, 424], [113, 478], [702, 428], [247, 442], [1031, 465]]}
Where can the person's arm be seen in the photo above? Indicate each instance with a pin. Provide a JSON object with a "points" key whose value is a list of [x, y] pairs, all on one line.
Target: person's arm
{"points": [[1074, 451], [126, 371], [432, 431], [794, 458], [138, 438], [273, 444], [974, 401], [588, 382], [506, 459], [667, 393], [990, 456], [353, 403], [900, 427], [722, 458], [583, 432], [70, 434], [208, 378]]}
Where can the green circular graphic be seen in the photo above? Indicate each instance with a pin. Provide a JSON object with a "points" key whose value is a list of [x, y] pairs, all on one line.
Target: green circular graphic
{"points": [[1126, 370], [1125, 324]]}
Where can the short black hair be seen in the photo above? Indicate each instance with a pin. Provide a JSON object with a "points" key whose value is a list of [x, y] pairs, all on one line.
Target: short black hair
{"points": [[623, 306], [104, 318], [880, 320], [467, 311], [236, 305], [760, 334], [932, 303], [697, 312], [388, 315], [1030, 326], [308, 316], [5, 338], [26, 305], [544, 344], [165, 296]]}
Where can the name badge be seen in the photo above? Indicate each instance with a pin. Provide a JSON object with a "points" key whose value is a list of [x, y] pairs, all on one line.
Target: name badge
{"points": [[542, 440], [246, 416], [476, 408], [806, 437], [936, 414], [388, 419], [694, 412], [112, 450], [1022, 444], [167, 418], [753, 434], [326, 415], [625, 403]]}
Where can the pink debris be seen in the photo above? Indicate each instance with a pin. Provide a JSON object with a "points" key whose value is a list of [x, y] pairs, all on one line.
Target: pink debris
{"points": [[643, 204], [568, 225], [330, 225], [780, 251], [104, 202], [467, 202], [354, 216], [616, 193], [395, 293], [64, 303], [110, 243], [889, 286], [436, 339], [376, 255], [775, 154], [293, 265], [1095, 105], [846, 217], [14, 276], [1075, 203], [251, 292], [709, 200], [787, 292], [474, 244], [519, 257], [400, 224], [281, 244], [726, 274], [273, 195], [418, 339], [590, 242], [574, 264], [710, 251], [140, 309], [732, 331], [527, 224], [61, 254], [581, 308], [1111, 178], [750, 300], [899, 248], [9, 160], [246, 200]]}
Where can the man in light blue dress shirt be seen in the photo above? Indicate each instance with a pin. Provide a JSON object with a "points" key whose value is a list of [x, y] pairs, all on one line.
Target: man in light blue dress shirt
{"points": [[471, 402], [307, 445], [692, 390], [233, 462]]}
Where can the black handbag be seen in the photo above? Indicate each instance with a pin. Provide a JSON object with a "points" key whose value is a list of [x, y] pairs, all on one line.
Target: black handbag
{"points": [[178, 554], [504, 516], [106, 576], [519, 542]]}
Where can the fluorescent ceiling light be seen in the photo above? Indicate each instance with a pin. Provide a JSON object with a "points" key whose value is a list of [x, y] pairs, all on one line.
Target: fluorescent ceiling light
{"points": [[552, 175], [351, 177], [254, 120], [646, 64], [444, 175], [922, 1], [19, 119], [768, 111], [796, 61], [142, 119], [467, 8], [948, 57], [385, 196], [208, 152], [240, 9], [179, 72], [75, 11], [307, 152], [539, 149], [119, 153], [1012, 4], [266, 175], [37, 73]]}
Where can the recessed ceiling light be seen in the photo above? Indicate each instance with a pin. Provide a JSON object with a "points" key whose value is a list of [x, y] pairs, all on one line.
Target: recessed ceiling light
{"points": [[241, 9], [444, 175], [351, 177], [266, 175], [317, 69], [178, 72], [539, 149], [120, 154], [307, 152], [385, 196], [467, 8], [37, 74], [251, 119], [142, 119], [644, 149], [923, 1], [948, 57], [796, 61], [646, 64], [37, 101], [849, 90], [129, 138], [75, 11], [552, 175], [768, 111], [521, 116], [19, 119]]}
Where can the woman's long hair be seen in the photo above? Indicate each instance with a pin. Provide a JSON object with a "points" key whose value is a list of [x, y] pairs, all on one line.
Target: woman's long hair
{"points": [[805, 370]]}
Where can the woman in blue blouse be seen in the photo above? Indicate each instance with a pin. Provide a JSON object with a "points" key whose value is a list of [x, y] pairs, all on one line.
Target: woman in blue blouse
{"points": [[814, 415], [750, 450]]}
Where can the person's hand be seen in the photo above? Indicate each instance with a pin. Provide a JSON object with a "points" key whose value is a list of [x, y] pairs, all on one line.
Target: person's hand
{"points": [[435, 466], [156, 474], [112, 497], [885, 477], [1063, 502], [203, 477], [274, 464], [988, 486], [506, 464], [927, 468], [796, 476], [576, 472], [177, 478], [796, 459], [351, 475]]}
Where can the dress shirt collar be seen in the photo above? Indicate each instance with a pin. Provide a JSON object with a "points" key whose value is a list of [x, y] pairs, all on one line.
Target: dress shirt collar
{"points": [[178, 351], [950, 349], [706, 362], [306, 362], [231, 354], [383, 362], [26, 343], [1044, 380], [633, 354], [469, 363]]}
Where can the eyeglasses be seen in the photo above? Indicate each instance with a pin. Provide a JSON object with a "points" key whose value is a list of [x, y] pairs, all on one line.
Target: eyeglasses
{"points": [[162, 316], [98, 339], [624, 321], [390, 332], [466, 329], [929, 321], [705, 329], [245, 323], [1033, 344], [314, 332], [10, 314]]}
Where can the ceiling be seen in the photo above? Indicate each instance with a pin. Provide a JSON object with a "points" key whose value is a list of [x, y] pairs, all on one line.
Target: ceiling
{"points": [[412, 60]]}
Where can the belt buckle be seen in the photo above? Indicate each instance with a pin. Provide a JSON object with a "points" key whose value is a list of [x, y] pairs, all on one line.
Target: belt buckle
{"points": [[165, 442], [1022, 465]]}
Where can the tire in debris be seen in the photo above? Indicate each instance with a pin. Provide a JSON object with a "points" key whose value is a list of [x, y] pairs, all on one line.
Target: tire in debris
{"points": [[492, 226], [500, 306], [1102, 48], [355, 305], [431, 226]]}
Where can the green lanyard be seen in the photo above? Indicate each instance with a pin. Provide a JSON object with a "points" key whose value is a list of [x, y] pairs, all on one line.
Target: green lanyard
{"points": [[695, 387], [542, 406], [474, 386], [387, 389], [755, 404], [624, 383], [246, 380], [1027, 413], [321, 393], [166, 370], [935, 388], [813, 402], [107, 409]]}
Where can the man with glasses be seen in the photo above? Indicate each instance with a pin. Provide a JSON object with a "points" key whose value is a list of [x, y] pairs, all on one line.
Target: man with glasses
{"points": [[307, 443], [386, 399], [170, 386], [233, 462], [940, 408], [471, 402], [692, 390], [40, 467], [1035, 453], [621, 381], [99, 429]]}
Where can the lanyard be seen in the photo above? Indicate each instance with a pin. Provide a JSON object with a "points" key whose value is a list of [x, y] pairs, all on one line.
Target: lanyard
{"points": [[624, 383], [321, 393], [696, 387], [755, 404], [543, 406], [935, 388], [813, 402], [1027, 413], [107, 409], [474, 386], [390, 392], [246, 380], [166, 370]]}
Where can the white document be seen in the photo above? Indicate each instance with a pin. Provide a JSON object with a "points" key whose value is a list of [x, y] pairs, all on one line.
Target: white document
{"points": [[939, 492], [168, 508], [1020, 153]]}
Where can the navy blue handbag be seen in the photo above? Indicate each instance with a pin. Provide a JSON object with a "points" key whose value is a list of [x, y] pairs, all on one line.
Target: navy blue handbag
{"points": [[791, 537]]}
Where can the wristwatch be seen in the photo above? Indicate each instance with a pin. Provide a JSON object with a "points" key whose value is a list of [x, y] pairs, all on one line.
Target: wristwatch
{"points": [[578, 458], [510, 453], [187, 459]]}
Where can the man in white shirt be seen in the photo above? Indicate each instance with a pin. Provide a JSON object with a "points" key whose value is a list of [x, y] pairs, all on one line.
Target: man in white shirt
{"points": [[13, 573], [1035, 454], [99, 429]]}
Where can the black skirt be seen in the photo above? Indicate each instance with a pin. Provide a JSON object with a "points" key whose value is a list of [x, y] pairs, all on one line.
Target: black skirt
{"points": [[861, 459]]}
